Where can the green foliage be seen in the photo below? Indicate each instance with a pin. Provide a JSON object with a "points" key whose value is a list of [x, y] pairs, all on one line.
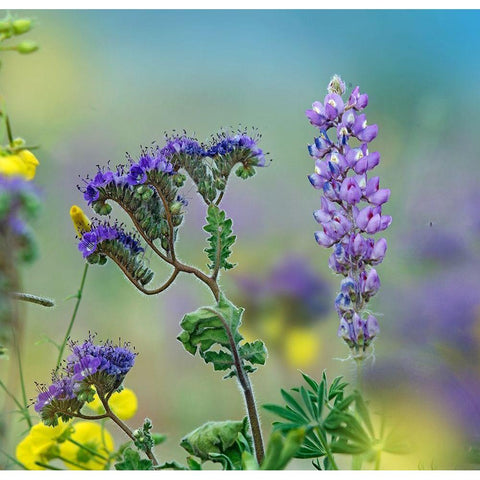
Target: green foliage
{"points": [[219, 442], [220, 240], [143, 438], [334, 422], [132, 461], [281, 450], [210, 327]]}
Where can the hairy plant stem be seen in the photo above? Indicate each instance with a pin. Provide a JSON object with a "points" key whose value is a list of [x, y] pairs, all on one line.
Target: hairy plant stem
{"points": [[244, 382], [123, 426], [72, 320], [212, 283]]}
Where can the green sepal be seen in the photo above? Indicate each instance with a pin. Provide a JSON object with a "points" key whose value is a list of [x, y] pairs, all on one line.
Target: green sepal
{"points": [[221, 238]]}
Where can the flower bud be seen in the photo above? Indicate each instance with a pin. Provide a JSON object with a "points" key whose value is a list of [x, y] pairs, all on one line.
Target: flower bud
{"points": [[176, 208], [336, 85], [80, 220], [21, 25], [5, 27], [27, 46]]}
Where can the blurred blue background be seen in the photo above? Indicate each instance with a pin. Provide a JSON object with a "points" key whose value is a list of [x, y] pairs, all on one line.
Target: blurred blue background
{"points": [[106, 82]]}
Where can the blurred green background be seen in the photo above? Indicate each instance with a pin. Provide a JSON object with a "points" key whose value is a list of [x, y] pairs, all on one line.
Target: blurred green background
{"points": [[106, 82]]}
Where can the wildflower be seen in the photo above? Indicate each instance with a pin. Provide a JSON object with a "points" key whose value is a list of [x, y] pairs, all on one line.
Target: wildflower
{"points": [[351, 207], [80, 220], [124, 404], [90, 368], [41, 444], [103, 240], [95, 438], [22, 164]]}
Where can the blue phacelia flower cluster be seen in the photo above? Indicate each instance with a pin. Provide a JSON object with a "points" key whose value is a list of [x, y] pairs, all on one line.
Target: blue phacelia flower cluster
{"points": [[178, 152], [351, 207], [102, 366], [105, 240]]}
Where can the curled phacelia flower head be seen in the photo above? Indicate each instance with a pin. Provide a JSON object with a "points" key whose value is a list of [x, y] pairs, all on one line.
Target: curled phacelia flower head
{"points": [[351, 204], [148, 190], [99, 365], [104, 240]]}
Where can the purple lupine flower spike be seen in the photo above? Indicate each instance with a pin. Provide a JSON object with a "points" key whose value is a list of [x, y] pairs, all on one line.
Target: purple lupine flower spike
{"points": [[351, 207]]}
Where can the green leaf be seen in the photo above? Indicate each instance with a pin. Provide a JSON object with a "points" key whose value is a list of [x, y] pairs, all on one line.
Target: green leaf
{"points": [[284, 413], [313, 384], [132, 461], [221, 442], [158, 438], [254, 353], [308, 402], [293, 404], [362, 411], [193, 464], [210, 327], [220, 240], [171, 466], [281, 450]]}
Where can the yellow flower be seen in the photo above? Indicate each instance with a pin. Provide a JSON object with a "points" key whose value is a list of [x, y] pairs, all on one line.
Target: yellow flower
{"points": [[12, 166], [124, 404], [22, 164], [301, 347], [80, 220], [94, 438], [31, 163], [41, 444]]}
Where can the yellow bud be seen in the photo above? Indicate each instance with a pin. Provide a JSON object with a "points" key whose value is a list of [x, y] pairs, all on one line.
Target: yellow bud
{"points": [[80, 220], [30, 161], [13, 166]]}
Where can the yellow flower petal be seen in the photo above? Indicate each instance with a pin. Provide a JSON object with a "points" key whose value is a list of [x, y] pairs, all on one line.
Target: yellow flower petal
{"points": [[13, 166], [80, 220], [94, 437], [301, 347], [30, 163], [38, 444], [124, 404]]}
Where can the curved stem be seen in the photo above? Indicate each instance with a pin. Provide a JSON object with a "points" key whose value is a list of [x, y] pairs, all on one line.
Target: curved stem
{"points": [[168, 214], [210, 282], [244, 382], [72, 320], [123, 426], [142, 233], [137, 285], [84, 417]]}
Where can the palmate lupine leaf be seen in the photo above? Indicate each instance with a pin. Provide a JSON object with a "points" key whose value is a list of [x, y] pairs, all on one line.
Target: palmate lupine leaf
{"points": [[327, 424], [334, 423], [221, 238], [210, 331]]}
